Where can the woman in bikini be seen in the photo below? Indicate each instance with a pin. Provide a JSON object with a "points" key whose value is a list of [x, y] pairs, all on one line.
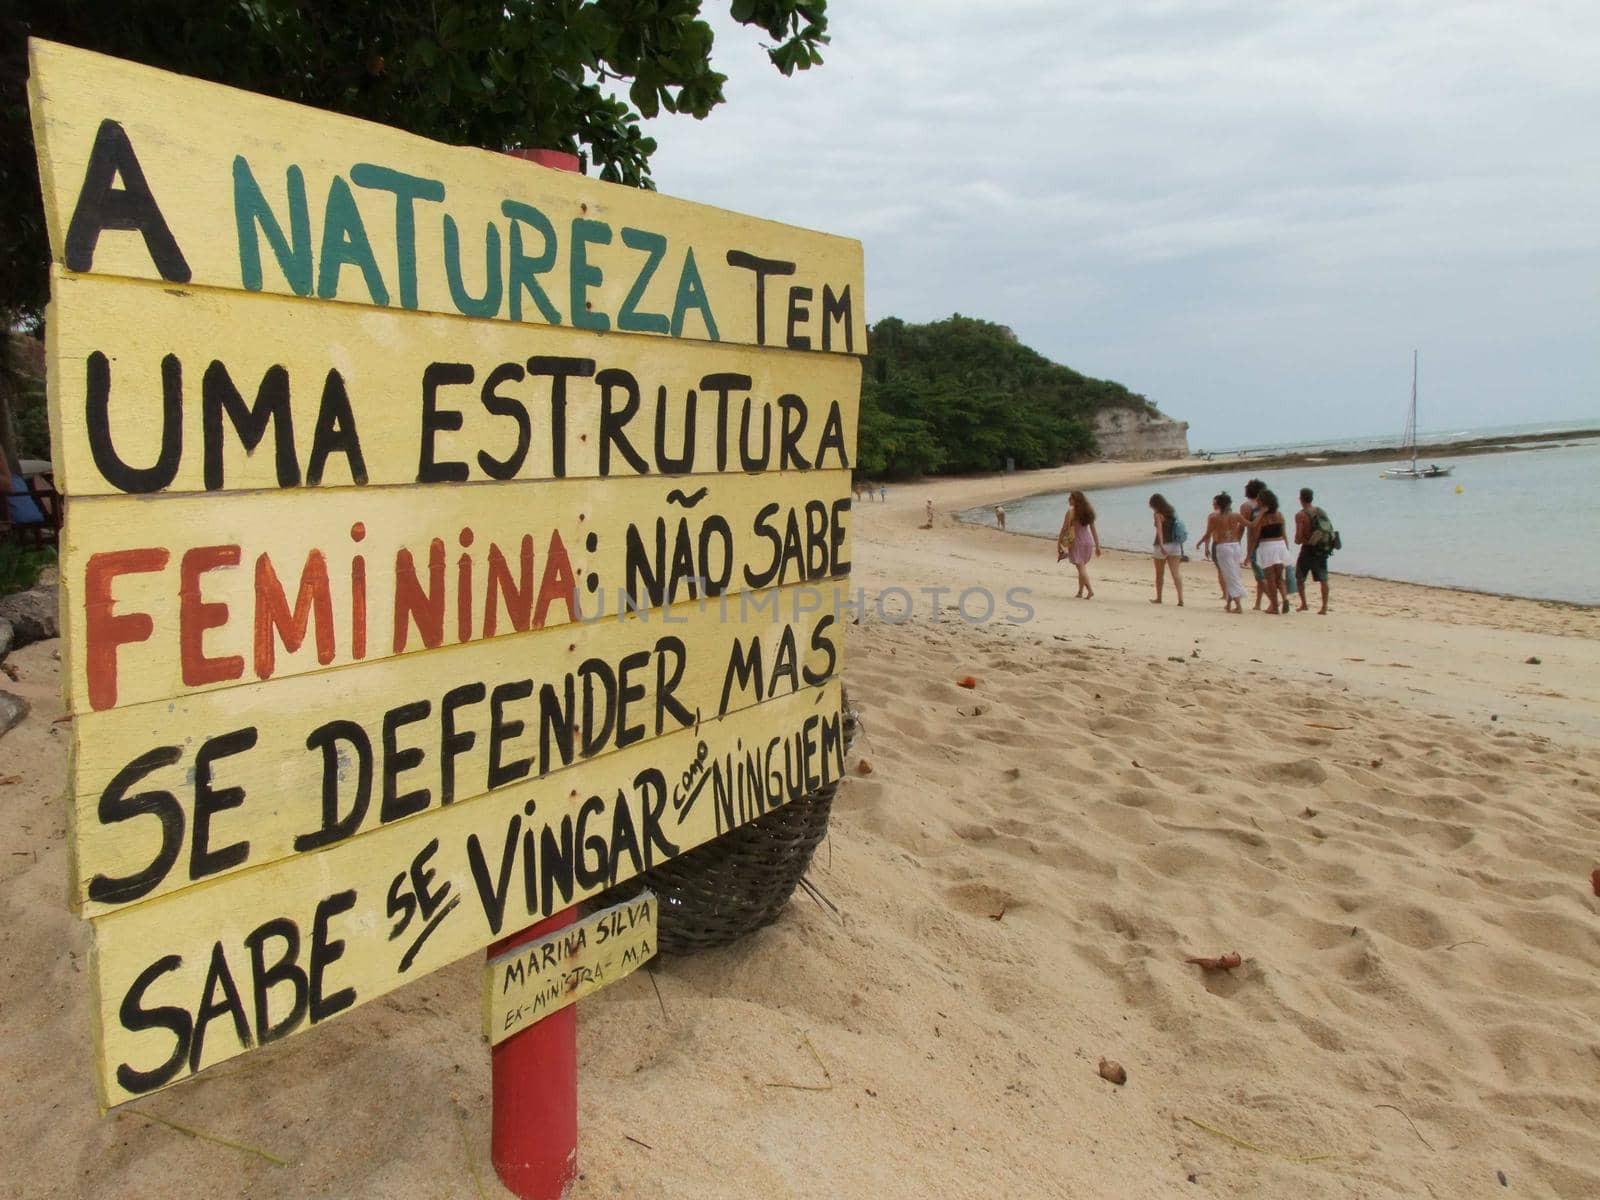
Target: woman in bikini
{"points": [[1078, 541]]}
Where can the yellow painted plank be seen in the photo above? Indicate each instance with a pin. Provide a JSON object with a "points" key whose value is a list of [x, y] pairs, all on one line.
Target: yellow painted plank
{"points": [[370, 395], [165, 595], [523, 986], [235, 779], [196, 978], [369, 215]]}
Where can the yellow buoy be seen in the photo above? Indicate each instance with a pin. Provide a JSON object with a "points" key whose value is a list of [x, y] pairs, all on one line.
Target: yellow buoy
{"points": [[1458, 489]]}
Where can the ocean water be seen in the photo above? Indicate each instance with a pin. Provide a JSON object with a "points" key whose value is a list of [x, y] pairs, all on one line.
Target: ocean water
{"points": [[1524, 522]]}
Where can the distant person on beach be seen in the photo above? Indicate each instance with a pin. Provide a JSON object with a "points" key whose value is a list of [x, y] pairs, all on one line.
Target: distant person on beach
{"points": [[1078, 540], [1273, 555], [1168, 551], [1224, 528], [883, 493], [1311, 533], [928, 523], [1000, 515], [1248, 509]]}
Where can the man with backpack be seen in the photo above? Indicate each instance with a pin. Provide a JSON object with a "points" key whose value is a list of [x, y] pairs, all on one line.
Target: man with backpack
{"points": [[1315, 535]]}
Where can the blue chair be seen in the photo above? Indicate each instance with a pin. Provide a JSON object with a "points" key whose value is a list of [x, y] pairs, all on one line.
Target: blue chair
{"points": [[33, 510]]}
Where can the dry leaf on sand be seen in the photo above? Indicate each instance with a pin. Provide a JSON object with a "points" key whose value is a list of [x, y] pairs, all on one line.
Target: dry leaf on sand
{"points": [[1223, 962]]}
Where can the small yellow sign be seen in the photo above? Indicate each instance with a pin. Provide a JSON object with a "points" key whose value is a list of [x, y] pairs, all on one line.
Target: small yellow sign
{"points": [[525, 985]]}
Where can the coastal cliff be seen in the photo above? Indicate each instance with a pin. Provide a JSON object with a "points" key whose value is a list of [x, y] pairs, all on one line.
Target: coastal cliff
{"points": [[964, 396], [1135, 435]]}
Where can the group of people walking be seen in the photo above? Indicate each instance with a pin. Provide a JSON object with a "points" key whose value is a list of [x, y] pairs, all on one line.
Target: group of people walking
{"points": [[1257, 533]]}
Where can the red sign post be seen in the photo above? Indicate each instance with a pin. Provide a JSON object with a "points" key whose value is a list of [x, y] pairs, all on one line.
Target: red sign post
{"points": [[534, 1138], [534, 1142]]}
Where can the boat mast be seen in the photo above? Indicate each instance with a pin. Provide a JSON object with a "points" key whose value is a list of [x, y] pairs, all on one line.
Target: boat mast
{"points": [[1411, 421]]}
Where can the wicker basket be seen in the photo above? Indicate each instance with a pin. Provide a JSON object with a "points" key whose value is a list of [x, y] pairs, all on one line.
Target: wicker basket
{"points": [[716, 893]]}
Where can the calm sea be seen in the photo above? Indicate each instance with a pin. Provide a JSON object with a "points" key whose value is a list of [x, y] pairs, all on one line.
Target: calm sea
{"points": [[1522, 523]]}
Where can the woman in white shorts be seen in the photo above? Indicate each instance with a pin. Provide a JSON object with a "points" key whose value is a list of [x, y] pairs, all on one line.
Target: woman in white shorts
{"points": [[1168, 546], [1273, 555]]}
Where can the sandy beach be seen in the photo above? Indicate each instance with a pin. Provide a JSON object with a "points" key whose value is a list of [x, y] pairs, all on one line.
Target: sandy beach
{"points": [[1387, 812]]}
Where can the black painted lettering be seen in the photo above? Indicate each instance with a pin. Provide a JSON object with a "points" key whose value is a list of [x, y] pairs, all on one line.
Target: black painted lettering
{"points": [[209, 800], [338, 740], [785, 664], [555, 723], [335, 433], [593, 864], [816, 539], [672, 659], [836, 531], [324, 952], [614, 420], [219, 977], [628, 693], [285, 970], [131, 207], [762, 268], [747, 460], [823, 644], [722, 383], [493, 895], [799, 313], [506, 406], [598, 684], [396, 805], [560, 370], [502, 731], [219, 396], [135, 1018], [838, 308], [624, 838], [763, 529], [794, 428], [555, 866], [434, 421], [97, 424], [652, 788], [832, 437], [454, 742], [116, 805], [681, 463]]}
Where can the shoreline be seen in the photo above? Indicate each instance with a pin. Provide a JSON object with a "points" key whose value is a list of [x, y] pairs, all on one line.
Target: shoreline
{"points": [[1467, 651], [1350, 458], [1576, 605], [1125, 473], [1109, 473]]}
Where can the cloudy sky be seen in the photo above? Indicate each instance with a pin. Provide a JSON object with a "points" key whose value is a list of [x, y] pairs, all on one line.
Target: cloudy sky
{"points": [[1250, 212]]}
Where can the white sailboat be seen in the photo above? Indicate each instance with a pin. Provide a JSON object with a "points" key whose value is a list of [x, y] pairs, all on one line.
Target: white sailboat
{"points": [[1408, 448]]}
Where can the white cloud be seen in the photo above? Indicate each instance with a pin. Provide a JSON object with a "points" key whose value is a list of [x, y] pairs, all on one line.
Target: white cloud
{"points": [[1248, 211]]}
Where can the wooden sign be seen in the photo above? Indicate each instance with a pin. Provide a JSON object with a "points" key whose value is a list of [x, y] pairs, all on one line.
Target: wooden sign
{"points": [[156, 176], [527, 984], [448, 540], [225, 966], [330, 379], [264, 586], [320, 764]]}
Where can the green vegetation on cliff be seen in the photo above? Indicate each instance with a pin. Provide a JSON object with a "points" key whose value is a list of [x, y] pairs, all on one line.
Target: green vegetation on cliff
{"points": [[963, 395]]}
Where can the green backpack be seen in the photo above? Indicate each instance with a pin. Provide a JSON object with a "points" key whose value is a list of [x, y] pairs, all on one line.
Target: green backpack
{"points": [[1323, 535]]}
